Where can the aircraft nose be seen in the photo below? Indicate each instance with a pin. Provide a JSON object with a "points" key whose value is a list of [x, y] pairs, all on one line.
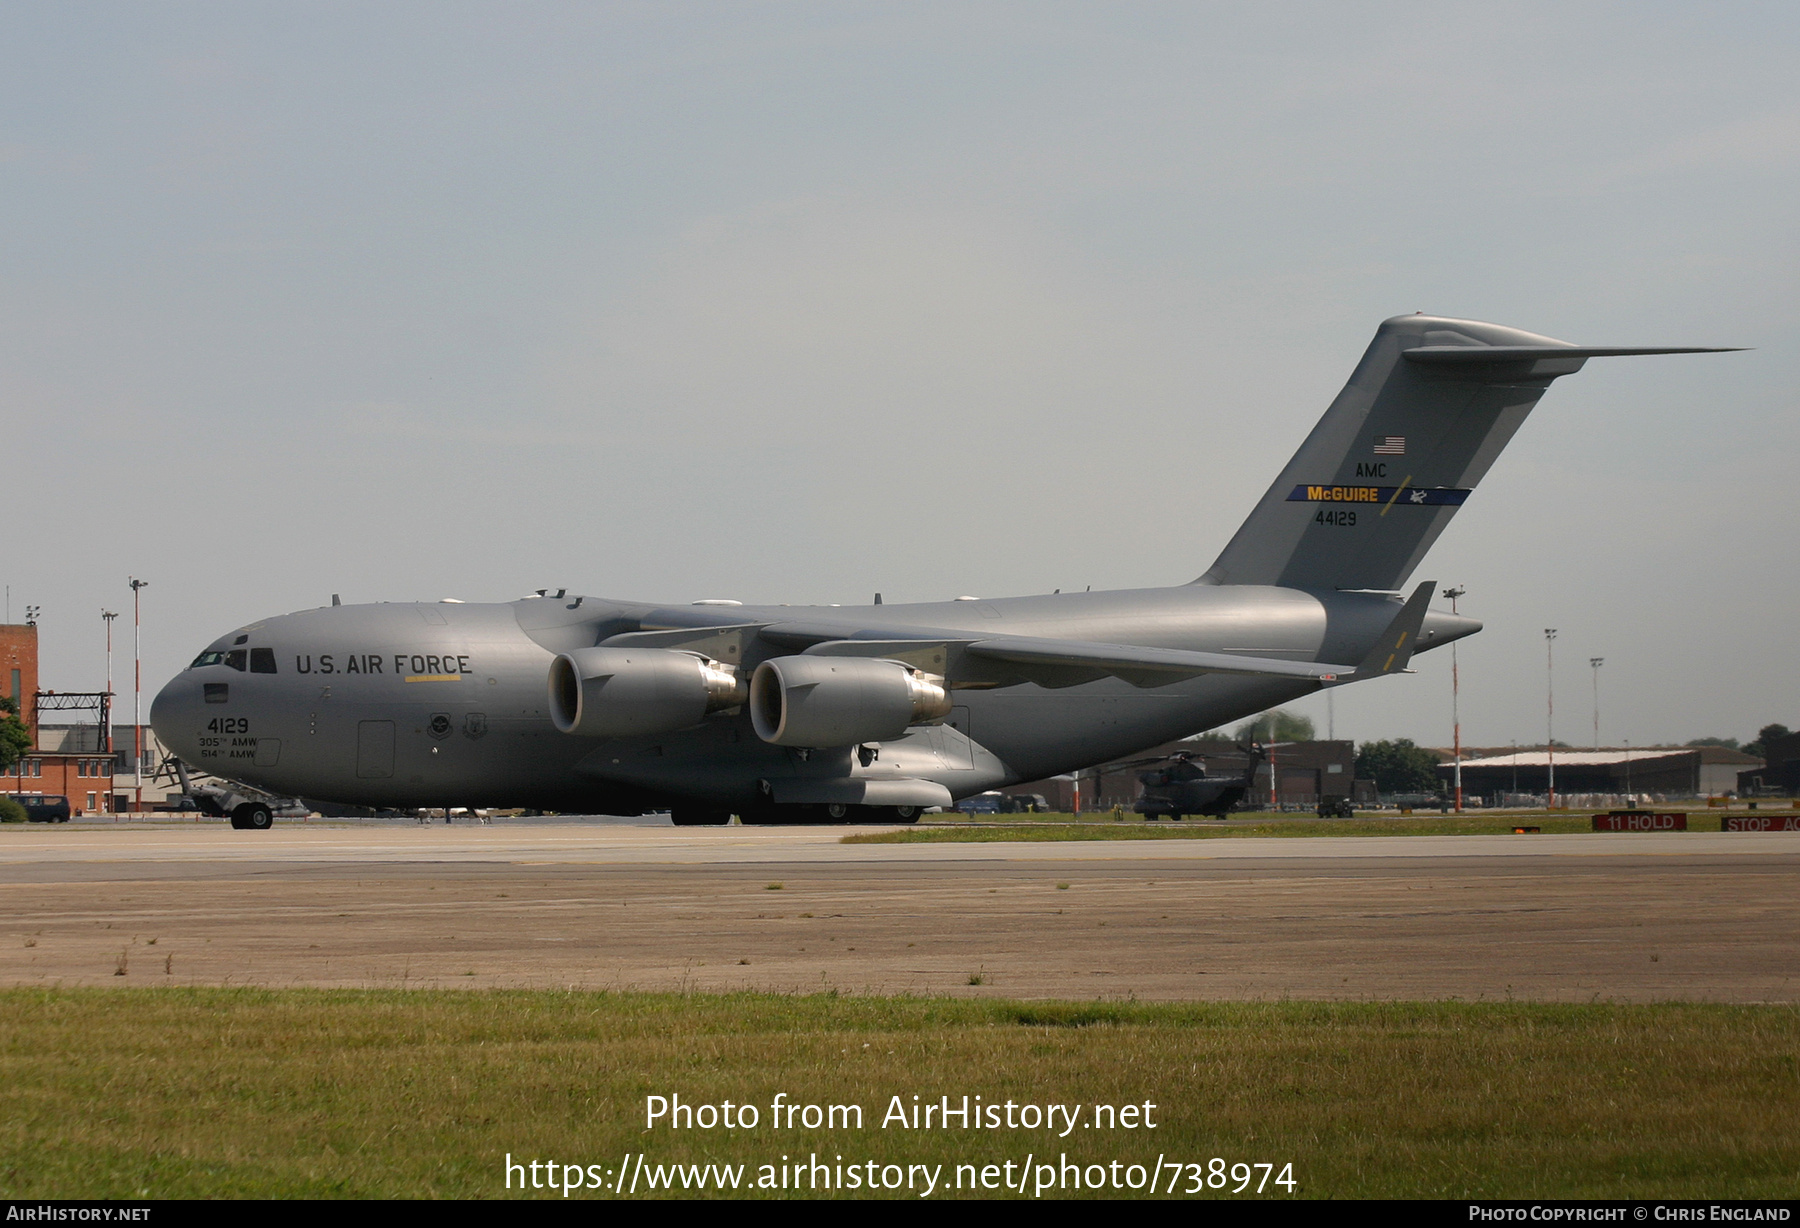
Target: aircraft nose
{"points": [[175, 712]]}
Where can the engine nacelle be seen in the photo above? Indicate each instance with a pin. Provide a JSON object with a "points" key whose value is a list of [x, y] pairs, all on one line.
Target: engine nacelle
{"points": [[840, 701], [623, 692]]}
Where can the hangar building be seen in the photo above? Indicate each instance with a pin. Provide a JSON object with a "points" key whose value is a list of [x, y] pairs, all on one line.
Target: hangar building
{"points": [[1683, 771]]}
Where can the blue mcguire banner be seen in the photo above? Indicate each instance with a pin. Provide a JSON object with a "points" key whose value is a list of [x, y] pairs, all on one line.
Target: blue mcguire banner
{"points": [[1380, 496]]}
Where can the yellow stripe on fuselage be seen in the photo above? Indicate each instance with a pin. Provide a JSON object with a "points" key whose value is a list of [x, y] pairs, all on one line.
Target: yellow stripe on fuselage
{"points": [[434, 677]]}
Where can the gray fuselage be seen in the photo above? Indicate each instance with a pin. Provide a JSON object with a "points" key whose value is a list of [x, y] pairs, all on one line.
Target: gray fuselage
{"points": [[405, 705]]}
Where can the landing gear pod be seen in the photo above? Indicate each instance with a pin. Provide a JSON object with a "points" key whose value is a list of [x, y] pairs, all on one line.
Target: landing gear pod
{"points": [[840, 701], [622, 692]]}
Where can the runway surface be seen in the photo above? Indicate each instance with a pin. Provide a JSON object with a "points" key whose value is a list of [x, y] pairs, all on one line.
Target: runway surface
{"points": [[1628, 917]]}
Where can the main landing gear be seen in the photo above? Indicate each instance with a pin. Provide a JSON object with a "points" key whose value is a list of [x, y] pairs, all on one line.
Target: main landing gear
{"points": [[252, 816]]}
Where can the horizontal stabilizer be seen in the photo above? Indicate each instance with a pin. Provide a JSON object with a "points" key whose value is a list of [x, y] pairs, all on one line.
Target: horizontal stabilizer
{"points": [[1529, 353], [1395, 647]]}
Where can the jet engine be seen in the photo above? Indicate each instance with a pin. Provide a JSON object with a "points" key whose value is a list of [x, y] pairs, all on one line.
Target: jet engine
{"points": [[839, 701], [621, 692]]}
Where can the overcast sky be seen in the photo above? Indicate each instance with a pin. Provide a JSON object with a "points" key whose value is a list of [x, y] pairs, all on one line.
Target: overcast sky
{"points": [[798, 302]]}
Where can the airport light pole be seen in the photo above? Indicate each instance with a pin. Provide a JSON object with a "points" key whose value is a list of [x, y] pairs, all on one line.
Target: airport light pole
{"points": [[25, 713], [1455, 714], [1550, 712], [1596, 662], [106, 733], [137, 690]]}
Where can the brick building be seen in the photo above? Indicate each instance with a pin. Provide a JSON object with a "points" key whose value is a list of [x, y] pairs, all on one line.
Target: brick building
{"points": [[69, 760], [19, 667], [85, 779]]}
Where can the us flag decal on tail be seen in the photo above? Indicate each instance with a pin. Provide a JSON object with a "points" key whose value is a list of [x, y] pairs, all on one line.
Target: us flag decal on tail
{"points": [[1391, 445]]}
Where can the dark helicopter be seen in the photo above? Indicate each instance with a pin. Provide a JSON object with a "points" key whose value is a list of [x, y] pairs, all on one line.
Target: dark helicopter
{"points": [[1180, 786]]}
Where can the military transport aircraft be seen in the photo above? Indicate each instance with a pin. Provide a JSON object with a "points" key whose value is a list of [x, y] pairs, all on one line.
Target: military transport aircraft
{"points": [[815, 714]]}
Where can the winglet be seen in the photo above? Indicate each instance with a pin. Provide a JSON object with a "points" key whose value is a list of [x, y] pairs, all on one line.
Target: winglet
{"points": [[1395, 647]]}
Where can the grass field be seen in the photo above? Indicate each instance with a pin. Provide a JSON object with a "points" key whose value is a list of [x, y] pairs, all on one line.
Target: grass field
{"points": [[302, 1093]]}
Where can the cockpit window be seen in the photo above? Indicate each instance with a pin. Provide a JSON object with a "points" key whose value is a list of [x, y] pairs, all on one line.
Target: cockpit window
{"points": [[262, 660], [209, 657], [235, 659]]}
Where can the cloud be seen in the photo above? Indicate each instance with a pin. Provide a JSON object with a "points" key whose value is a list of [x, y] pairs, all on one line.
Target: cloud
{"points": [[1770, 141]]}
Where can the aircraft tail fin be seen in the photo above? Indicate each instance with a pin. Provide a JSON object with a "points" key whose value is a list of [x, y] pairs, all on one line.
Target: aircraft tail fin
{"points": [[1421, 421]]}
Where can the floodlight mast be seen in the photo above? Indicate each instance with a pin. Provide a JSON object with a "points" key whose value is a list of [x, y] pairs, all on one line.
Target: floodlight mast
{"points": [[1596, 662], [137, 691], [1455, 714], [1550, 713], [106, 733]]}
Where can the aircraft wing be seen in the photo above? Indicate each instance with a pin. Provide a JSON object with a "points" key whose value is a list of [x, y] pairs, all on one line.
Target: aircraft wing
{"points": [[987, 661], [1127, 661], [1006, 659]]}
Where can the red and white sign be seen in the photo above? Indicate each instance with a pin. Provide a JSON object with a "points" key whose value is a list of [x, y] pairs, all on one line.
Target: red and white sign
{"points": [[1762, 822], [1639, 820]]}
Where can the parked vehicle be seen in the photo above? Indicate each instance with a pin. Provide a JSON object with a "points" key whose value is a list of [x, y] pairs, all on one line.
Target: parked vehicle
{"points": [[43, 807], [1416, 801]]}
